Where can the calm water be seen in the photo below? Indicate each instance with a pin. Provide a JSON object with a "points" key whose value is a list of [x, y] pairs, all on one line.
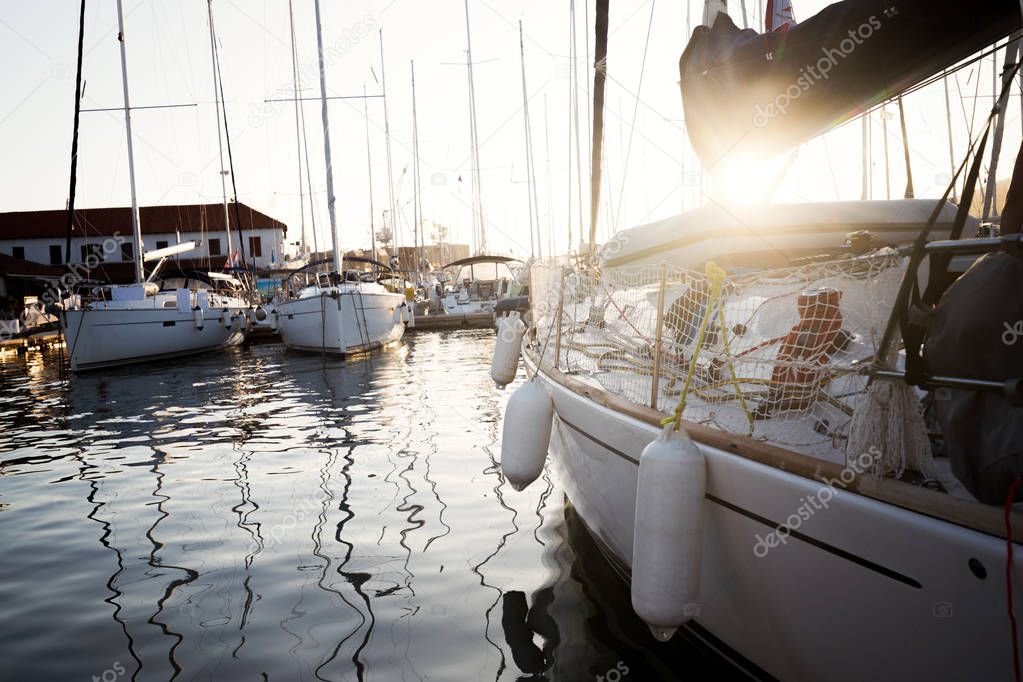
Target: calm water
{"points": [[260, 515]]}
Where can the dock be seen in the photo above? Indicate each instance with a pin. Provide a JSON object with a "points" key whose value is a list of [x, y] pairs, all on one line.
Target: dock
{"points": [[23, 343], [429, 323]]}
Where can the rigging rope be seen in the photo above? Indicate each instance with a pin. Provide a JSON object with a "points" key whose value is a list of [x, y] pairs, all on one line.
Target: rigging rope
{"points": [[716, 279]]}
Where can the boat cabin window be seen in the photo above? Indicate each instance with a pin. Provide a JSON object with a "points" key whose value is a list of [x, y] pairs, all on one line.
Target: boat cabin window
{"points": [[487, 272]]}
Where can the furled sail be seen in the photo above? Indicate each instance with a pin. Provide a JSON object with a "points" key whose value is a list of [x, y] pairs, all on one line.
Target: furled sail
{"points": [[749, 95]]}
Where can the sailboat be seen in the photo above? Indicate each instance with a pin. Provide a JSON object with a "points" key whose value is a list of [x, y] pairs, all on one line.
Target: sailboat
{"points": [[119, 325], [338, 313], [746, 442]]}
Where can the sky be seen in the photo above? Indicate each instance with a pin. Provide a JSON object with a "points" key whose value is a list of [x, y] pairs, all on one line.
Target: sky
{"points": [[650, 170]]}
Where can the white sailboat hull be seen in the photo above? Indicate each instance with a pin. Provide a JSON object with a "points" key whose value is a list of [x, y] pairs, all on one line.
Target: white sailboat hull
{"points": [[863, 590], [98, 338], [343, 321]]}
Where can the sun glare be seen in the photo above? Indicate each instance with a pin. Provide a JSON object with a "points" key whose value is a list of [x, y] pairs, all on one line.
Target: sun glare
{"points": [[746, 182]]}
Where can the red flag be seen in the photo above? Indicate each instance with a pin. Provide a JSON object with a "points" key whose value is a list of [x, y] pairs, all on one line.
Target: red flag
{"points": [[780, 16]]}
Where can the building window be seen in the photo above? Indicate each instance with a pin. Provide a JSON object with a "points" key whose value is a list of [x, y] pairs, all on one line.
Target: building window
{"points": [[255, 247], [214, 247], [56, 257], [127, 251], [161, 244], [96, 250], [18, 252]]}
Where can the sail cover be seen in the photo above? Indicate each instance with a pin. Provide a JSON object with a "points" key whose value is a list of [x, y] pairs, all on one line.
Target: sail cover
{"points": [[749, 95]]}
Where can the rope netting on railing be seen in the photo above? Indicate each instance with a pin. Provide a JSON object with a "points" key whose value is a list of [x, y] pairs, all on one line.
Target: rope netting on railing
{"points": [[779, 355]]}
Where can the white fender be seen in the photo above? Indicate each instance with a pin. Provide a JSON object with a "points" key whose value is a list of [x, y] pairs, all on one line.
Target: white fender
{"points": [[275, 321], [667, 548], [505, 362], [527, 434], [227, 319], [197, 317]]}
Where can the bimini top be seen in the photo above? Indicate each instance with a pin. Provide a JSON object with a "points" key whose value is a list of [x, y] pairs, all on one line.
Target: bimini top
{"points": [[779, 231], [326, 261], [480, 259]]}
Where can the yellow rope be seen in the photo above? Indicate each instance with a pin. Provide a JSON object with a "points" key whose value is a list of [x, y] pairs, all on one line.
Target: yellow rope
{"points": [[731, 369], [716, 278]]}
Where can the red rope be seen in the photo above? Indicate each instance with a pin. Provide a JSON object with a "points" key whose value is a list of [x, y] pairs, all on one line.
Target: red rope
{"points": [[1008, 572]]}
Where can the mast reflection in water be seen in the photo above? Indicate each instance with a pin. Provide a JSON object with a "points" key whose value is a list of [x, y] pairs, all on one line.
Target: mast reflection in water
{"points": [[261, 515]]}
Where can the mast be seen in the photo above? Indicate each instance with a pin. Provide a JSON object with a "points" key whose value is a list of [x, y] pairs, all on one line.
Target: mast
{"points": [[530, 181], [474, 135], [951, 149], [74, 137], [387, 136], [865, 133], [369, 170], [991, 193], [575, 114], [416, 187], [599, 74], [547, 168], [887, 167], [220, 140], [298, 130], [905, 150], [338, 256], [711, 9], [308, 177], [135, 224]]}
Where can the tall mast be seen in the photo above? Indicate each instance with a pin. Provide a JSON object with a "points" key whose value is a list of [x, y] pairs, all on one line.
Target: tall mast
{"points": [[338, 256], [369, 170], [600, 58], [530, 190], [417, 207], [575, 113], [74, 137], [910, 192], [865, 134], [951, 149], [135, 224], [474, 135], [220, 141], [887, 167], [551, 249], [991, 193], [387, 135], [298, 130]]}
